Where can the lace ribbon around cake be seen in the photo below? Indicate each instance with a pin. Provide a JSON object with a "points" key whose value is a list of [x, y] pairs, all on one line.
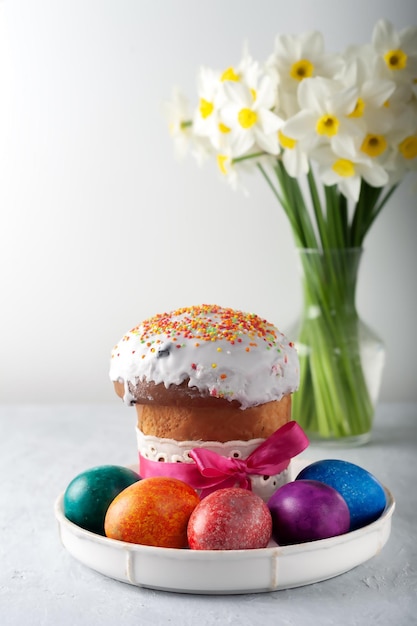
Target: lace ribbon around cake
{"points": [[160, 456]]}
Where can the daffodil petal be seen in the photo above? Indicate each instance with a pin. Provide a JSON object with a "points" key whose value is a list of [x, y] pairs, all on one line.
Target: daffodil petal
{"points": [[270, 122], [229, 114], [266, 95], [344, 101], [376, 92], [299, 125], [295, 162], [237, 93], [345, 146], [329, 177], [313, 92], [350, 187], [241, 142], [384, 36], [269, 143], [409, 39], [374, 174], [314, 43]]}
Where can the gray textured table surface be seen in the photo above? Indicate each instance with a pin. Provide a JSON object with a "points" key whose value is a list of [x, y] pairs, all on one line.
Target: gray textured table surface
{"points": [[43, 447]]}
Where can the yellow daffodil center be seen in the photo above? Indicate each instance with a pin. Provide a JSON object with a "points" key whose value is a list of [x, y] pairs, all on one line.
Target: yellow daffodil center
{"points": [[374, 145], [344, 168], [301, 69], [230, 74], [286, 142], [206, 108], [222, 159], [395, 59], [359, 108], [408, 147], [247, 118], [223, 128], [327, 125]]}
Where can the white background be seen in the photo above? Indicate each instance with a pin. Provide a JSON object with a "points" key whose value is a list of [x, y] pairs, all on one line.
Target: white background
{"points": [[102, 227]]}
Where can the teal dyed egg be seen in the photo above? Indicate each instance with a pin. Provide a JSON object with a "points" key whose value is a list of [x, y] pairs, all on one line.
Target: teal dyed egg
{"points": [[88, 496], [363, 493]]}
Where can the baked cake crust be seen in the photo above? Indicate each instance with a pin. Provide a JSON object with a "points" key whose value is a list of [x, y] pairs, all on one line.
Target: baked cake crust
{"points": [[184, 423]]}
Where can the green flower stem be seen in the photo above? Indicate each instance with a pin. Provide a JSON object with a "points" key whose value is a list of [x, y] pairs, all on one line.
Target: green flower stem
{"points": [[248, 157], [377, 209], [333, 398], [344, 218], [315, 199], [297, 206], [285, 205], [368, 198]]}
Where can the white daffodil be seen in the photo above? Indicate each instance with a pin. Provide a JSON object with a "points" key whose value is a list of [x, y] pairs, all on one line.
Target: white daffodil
{"points": [[293, 156], [376, 146], [207, 122], [346, 172], [403, 142], [202, 149], [178, 117], [351, 117], [248, 116], [325, 105], [231, 171], [297, 57], [373, 93], [407, 148], [380, 106], [227, 168], [385, 132], [396, 51], [247, 71], [206, 117]]}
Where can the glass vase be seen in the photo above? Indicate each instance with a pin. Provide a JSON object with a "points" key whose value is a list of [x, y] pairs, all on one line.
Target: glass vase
{"points": [[341, 358]]}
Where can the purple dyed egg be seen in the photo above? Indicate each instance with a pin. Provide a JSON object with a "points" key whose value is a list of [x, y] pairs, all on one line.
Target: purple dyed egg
{"points": [[307, 510]]}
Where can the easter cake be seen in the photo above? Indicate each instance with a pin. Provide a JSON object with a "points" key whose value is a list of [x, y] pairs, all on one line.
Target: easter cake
{"points": [[211, 378]]}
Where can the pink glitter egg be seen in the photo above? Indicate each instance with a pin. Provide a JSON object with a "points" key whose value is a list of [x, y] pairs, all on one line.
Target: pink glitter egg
{"points": [[230, 519]]}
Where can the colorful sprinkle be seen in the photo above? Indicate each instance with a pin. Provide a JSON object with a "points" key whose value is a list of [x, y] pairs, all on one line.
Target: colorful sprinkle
{"points": [[225, 338], [207, 323]]}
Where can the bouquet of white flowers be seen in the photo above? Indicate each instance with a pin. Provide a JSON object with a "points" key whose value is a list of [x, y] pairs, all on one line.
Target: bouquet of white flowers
{"points": [[332, 135]]}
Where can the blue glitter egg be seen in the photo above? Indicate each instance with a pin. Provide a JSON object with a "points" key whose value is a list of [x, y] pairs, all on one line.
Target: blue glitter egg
{"points": [[364, 495]]}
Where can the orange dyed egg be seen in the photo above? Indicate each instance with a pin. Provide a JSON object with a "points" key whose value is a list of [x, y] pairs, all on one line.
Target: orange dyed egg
{"points": [[152, 512]]}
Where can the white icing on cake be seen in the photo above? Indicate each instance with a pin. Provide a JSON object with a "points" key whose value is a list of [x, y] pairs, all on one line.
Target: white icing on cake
{"points": [[227, 353], [171, 451]]}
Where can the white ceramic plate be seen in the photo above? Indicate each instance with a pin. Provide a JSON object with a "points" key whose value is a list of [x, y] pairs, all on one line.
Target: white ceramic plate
{"points": [[225, 571]]}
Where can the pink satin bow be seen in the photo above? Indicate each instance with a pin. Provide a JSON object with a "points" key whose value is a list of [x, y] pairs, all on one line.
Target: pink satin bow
{"points": [[211, 471]]}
